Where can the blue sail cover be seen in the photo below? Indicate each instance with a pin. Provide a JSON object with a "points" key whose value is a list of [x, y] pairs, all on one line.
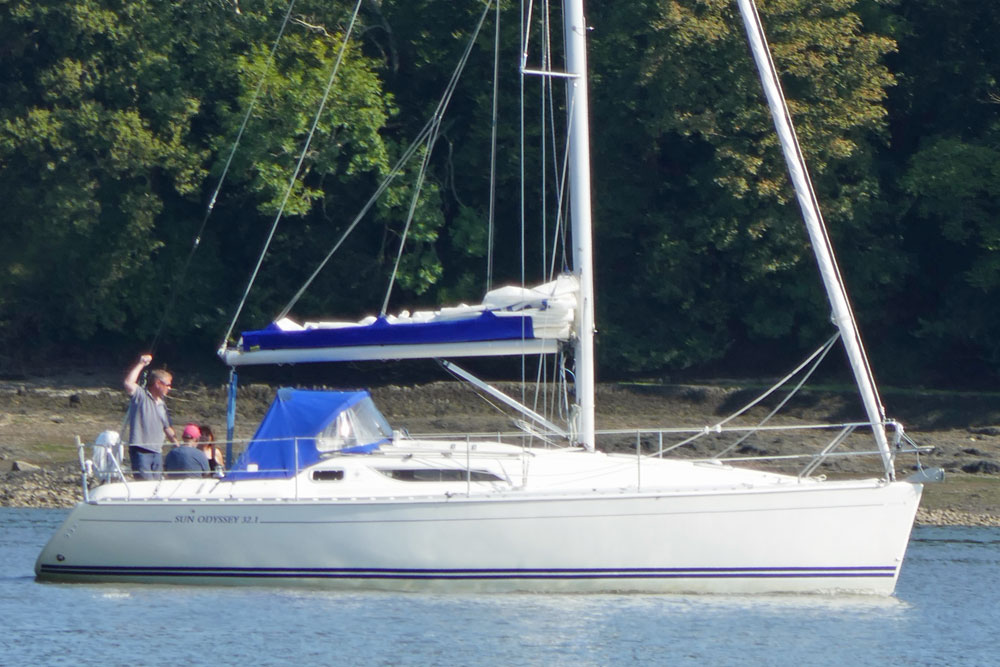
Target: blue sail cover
{"points": [[511, 321], [482, 327], [291, 426]]}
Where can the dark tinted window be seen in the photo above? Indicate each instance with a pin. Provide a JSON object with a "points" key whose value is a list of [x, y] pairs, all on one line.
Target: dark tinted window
{"points": [[440, 475]]}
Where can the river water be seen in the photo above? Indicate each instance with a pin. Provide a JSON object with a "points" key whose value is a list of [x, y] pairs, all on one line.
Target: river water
{"points": [[944, 613]]}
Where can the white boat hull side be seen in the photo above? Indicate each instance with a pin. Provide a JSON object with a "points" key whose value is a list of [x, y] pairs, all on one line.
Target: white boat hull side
{"points": [[829, 537]]}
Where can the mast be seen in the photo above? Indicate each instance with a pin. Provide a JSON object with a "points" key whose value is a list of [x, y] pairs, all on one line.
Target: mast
{"points": [[580, 213], [843, 317]]}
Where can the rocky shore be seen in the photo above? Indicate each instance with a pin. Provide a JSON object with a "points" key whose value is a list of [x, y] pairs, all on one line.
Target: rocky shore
{"points": [[41, 488], [38, 422], [945, 517]]}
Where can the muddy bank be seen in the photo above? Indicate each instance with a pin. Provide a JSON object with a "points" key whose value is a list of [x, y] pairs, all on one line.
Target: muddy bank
{"points": [[39, 420]]}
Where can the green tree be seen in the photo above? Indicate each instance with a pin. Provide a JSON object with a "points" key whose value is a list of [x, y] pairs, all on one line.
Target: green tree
{"points": [[81, 159], [346, 160], [944, 159], [115, 121], [701, 185], [423, 43]]}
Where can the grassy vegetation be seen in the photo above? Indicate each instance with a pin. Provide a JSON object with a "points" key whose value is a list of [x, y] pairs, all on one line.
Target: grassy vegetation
{"points": [[971, 493]]}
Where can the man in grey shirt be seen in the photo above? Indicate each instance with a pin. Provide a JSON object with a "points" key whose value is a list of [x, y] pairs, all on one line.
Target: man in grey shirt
{"points": [[148, 421]]}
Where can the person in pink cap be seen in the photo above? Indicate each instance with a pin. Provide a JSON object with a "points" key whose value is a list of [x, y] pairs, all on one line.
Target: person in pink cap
{"points": [[191, 432], [186, 460]]}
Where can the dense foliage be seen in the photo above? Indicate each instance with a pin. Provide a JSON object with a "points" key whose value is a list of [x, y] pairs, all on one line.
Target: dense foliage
{"points": [[117, 120]]}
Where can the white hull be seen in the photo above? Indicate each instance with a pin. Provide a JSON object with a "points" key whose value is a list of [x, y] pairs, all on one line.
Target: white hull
{"points": [[811, 537]]}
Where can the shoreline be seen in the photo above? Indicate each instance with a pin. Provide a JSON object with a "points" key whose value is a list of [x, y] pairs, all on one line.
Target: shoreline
{"points": [[40, 419], [947, 517]]}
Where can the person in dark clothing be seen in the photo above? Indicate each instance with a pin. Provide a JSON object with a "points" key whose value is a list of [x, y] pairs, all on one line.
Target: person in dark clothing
{"points": [[216, 460], [186, 460]]}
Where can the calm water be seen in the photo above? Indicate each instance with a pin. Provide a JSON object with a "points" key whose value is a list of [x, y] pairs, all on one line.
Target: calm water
{"points": [[944, 613]]}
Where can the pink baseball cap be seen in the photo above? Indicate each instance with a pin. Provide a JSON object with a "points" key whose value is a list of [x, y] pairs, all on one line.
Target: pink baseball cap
{"points": [[192, 431]]}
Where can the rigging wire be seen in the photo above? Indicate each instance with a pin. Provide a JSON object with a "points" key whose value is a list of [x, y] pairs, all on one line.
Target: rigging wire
{"points": [[414, 200], [422, 137], [491, 220], [791, 394], [820, 352], [560, 172], [541, 374], [526, 14], [298, 168], [545, 99], [544, 90], [182, 273], [560, 177], [395, 171], [561, 213], [438, 117], [548, 134]]}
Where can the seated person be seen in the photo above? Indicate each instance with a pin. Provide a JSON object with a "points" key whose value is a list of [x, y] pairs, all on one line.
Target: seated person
{"points": [[216, 460], [186, 460]]}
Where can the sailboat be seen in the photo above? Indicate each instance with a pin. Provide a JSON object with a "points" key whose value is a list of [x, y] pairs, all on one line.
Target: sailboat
{"points": [[328, 493]]}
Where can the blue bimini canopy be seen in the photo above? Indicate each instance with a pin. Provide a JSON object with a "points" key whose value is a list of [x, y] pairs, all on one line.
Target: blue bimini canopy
{"points": [[302, 425]]}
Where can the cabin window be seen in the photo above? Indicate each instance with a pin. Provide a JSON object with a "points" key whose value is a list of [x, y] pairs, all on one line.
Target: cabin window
{"points": [[440, 475], [328, 475]]}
